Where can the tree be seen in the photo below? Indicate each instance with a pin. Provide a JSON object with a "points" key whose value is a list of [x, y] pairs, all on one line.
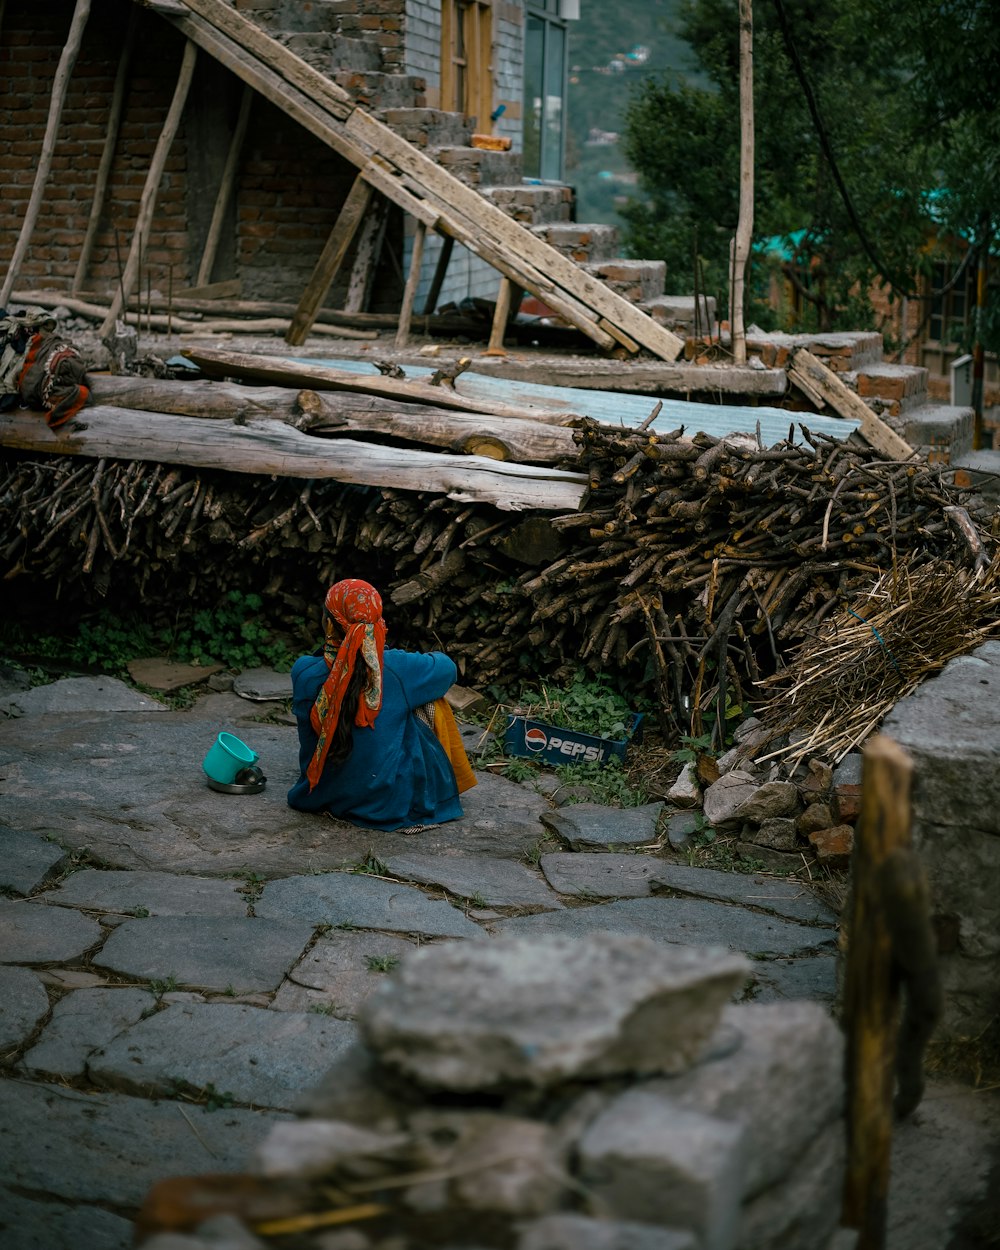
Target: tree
{"points": [[839, 161]]}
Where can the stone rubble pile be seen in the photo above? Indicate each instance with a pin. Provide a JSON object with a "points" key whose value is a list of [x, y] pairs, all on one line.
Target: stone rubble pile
{"points": [[597, 1093], [776, 816]]}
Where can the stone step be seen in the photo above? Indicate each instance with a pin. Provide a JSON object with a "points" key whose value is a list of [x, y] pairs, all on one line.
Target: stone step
{"points": [[477, 167], [304, 15], [639, 281], [532, 203], [939, 431], [844, 351], [978, 471], [331, 53], [580, 243], [677, 313], [890, 388], [375, 91], [424, 127]]}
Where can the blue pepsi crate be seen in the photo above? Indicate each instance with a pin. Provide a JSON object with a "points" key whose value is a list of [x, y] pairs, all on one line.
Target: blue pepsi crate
{"points": [[535, 740]]}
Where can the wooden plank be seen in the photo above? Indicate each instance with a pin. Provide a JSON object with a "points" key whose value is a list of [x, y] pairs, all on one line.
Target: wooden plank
{"points": [[437, 282], [274, 447], [366, 257], [207, 297], [412, 282], [226, 184], [842, 399], [435, 187], [871, 1001], [147, 202], [108, 151], [57, 99], [806, 387], [331, 258], [320, 377]]}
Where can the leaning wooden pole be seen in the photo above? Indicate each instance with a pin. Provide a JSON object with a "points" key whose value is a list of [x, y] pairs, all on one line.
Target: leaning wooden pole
{"points": [[225, 190], [871, 1001], [147, 202], [108, 153], [410, 290], [59, 86], [744, 222]]}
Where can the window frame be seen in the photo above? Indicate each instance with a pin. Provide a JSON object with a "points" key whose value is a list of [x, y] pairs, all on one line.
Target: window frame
{"points": [[467, 80]]}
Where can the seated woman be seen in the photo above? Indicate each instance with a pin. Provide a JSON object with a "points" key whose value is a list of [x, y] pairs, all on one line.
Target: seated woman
{"points": [[367, 751]]}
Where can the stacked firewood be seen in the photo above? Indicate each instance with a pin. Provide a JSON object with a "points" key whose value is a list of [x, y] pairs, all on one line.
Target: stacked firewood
{"points": [[695, 569]]}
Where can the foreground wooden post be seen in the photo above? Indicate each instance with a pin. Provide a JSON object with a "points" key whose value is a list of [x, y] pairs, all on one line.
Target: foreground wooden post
{"points": [[412, 282], [500, 314], [447, 247], [744, 223], [61, 81], [871, 1003]]}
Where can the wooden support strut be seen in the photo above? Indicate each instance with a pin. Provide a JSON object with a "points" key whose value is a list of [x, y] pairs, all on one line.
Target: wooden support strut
{"points": [[225, 191], [813, 376], [440, 270], [58, 98], [500, 314], [412, 282], [366, 256], [147, 203], [331, 258]]}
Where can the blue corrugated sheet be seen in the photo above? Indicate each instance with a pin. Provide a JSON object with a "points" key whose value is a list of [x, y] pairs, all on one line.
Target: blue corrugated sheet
{"points": [[618, 408]]}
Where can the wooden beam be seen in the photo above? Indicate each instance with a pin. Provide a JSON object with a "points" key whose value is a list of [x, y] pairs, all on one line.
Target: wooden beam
{"points": [[272, 447], [440, 270], [57, 99], [108, 151], [501, 312], [331, 258], [844, 401], [147, 202], [225, 194], [412, 282], [366, 256]]}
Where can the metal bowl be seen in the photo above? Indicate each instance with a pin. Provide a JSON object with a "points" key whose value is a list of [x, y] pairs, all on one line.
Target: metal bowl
{"points": [[249, 781]]}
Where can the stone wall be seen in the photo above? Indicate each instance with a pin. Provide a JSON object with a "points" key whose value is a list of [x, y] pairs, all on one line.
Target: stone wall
{"points": [[950, 726], [600, 1093]]}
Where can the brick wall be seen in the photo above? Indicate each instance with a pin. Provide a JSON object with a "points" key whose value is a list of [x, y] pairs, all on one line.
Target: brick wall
{"points": [[290, 187], [377, 21]]}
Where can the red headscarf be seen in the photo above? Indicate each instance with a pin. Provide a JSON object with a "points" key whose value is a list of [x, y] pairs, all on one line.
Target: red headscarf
{"points": [[355, 611]]}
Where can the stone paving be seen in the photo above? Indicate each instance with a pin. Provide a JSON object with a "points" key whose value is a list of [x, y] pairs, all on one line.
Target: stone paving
{"points": [[177, 966]]}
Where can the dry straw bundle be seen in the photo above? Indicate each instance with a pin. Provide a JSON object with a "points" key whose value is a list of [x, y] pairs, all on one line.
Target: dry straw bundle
{"points": [[875, 651]]}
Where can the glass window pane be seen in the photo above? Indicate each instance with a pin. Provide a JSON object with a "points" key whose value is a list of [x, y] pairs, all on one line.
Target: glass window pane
{"points": [[534, 53], [555, 66]]}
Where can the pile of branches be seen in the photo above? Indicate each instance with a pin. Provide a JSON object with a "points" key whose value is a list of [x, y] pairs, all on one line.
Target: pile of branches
{"points": [[698, 568], [841, 684]]}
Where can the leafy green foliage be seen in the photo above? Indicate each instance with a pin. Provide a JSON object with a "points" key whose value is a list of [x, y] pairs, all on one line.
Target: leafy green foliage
{"points": [[231, 634], [607, 783], [382, 963], [590, 704]]}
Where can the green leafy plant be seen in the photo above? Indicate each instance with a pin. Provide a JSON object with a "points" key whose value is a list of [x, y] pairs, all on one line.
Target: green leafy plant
{"points": [[382, 963], [163, 985], [590, 704], [232, 634], [371, 866], [607, 783], [217, 1100], [139, 912], [322, 1009]]}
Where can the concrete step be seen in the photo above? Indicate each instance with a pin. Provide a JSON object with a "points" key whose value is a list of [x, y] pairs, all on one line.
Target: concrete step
{"points": [[639, 281], [677, 313], [844, 351], [940, 432], [890, 388], [375, 91], [477, 167], [978, 471], [330, 53], [532, 203], [582, 243], [426, 128]]}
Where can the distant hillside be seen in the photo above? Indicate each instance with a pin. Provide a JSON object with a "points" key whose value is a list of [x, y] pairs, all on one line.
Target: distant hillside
{"points": [[612, 48]]}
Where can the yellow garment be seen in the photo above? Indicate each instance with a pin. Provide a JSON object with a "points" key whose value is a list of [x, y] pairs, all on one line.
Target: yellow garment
{"points": [[446, 731]]}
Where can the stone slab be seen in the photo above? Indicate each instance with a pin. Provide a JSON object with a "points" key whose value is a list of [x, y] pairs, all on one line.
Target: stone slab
{"points": [[29, 1225], [78, 694], [588, 826], [82, 1022], [25, 860], [494, 882], [34, 934], [166, 675], [600, 874], [255, 1057], [337, 973], [158, 893], [206, 952], [791, 899], [685, 921], [111, 1148], [262, 685], [23, 1003], [362, 902], [569, 1231], [779, 980]]}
